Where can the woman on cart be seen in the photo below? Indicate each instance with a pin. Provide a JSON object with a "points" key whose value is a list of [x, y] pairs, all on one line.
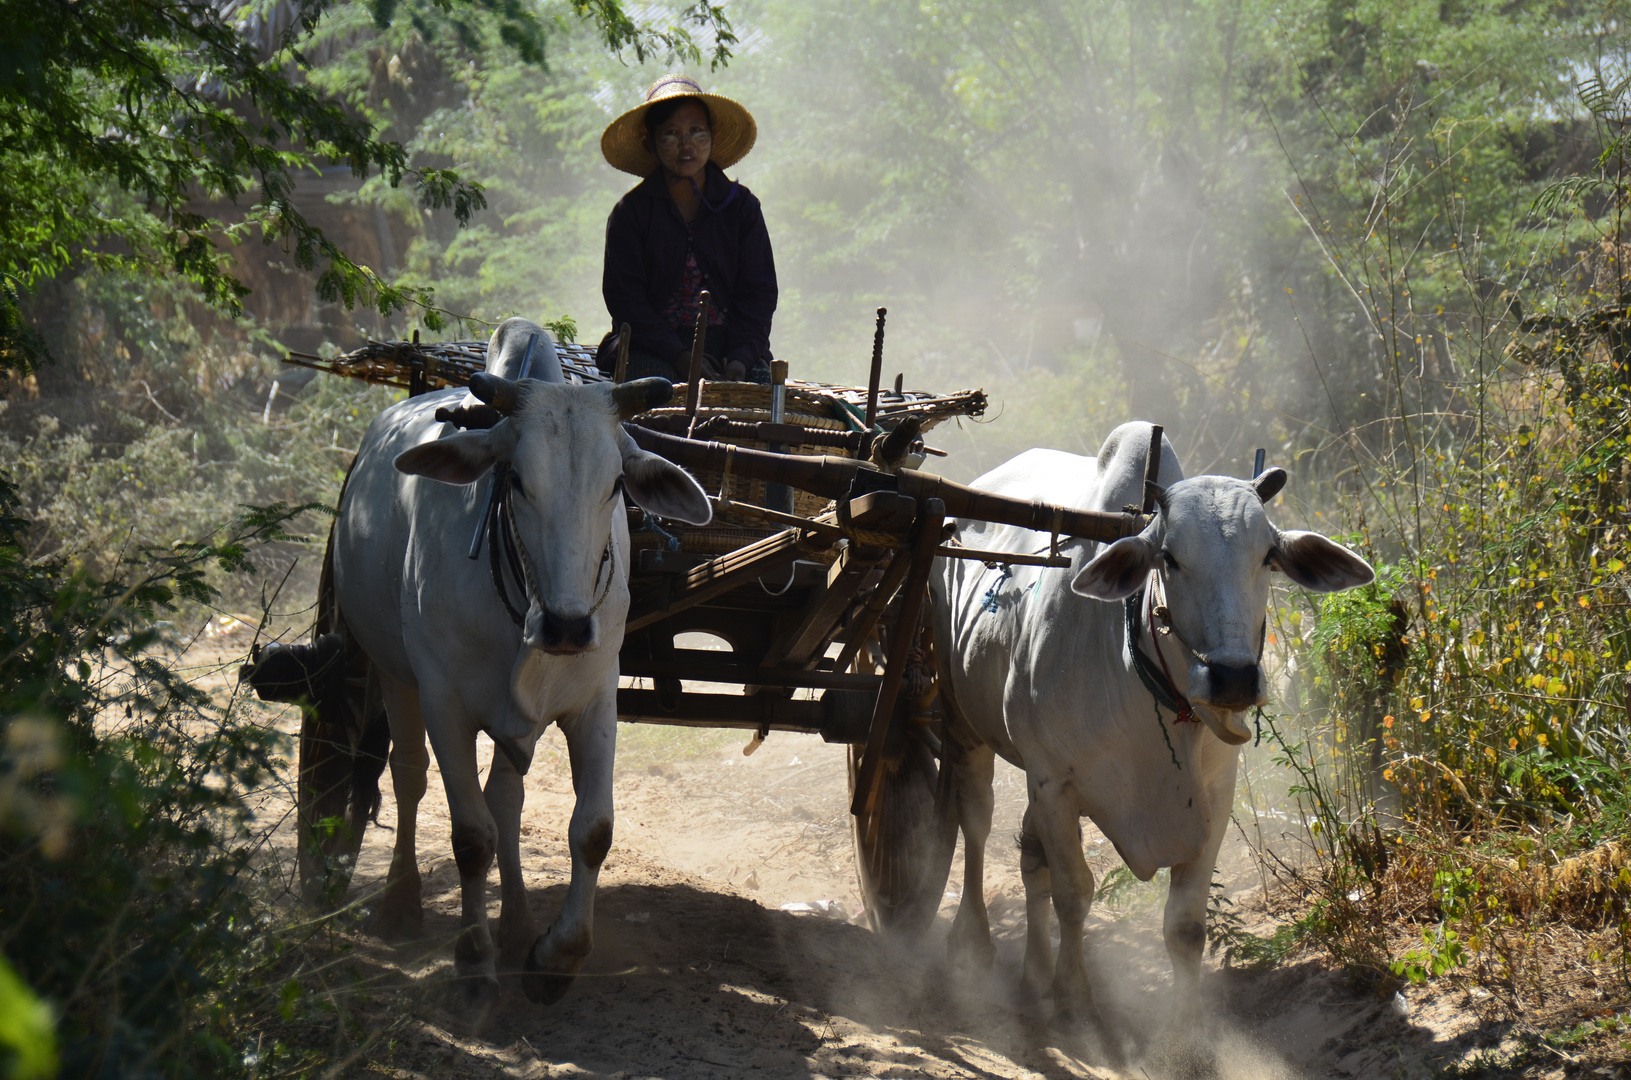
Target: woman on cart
{"points": [[687, 228]]}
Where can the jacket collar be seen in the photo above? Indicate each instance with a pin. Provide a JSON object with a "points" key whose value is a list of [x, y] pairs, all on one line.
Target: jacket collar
{"points": [[715, 185]]}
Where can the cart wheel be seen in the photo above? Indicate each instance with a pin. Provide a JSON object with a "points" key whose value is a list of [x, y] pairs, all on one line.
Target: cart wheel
{"points": [[903, 850], [344, 743], [329, 838]]}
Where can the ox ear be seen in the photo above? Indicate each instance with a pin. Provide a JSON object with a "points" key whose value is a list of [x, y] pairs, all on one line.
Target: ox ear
{"points": [[662, 487], [457, 459], [1319, 564], [1119, 570]]}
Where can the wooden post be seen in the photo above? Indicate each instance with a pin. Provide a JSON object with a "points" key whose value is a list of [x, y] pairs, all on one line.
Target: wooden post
{"points": [[624, 335], [875, 375], [778, 496], [693, 384], [931, 519], [1152, 468]]}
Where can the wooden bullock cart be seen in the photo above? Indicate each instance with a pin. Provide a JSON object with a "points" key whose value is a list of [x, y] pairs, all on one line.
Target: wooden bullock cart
{"points": [[814, 571]]}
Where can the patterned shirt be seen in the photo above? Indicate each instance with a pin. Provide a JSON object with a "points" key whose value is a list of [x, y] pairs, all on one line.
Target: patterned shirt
{"points": [[681, 310]]}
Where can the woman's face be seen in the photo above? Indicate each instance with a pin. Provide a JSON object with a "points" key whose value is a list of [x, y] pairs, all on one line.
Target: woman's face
{"points": [[683, 141]]}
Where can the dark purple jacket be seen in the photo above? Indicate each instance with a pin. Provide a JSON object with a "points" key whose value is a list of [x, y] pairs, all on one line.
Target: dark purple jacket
{"points": [[645, 252]]}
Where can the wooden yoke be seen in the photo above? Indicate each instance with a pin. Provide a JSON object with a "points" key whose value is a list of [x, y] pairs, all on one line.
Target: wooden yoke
{"points": [[833, 477]]}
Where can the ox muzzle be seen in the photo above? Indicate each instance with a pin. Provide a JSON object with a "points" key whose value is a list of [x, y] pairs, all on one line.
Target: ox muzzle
{"points": [[1225, 692], [558, 634], [1226, 686]]}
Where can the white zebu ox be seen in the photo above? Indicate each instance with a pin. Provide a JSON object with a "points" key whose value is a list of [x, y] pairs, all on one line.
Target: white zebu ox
{"points": [[451, 660], [1047, 681]]}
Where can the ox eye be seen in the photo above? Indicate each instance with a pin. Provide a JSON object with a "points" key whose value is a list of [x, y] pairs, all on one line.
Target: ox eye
{"points": [[616, 487], [515, 482], [1172, 564]]}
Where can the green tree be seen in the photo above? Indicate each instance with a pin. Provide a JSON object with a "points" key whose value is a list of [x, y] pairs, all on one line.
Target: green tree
{"points": [[116, 120]]}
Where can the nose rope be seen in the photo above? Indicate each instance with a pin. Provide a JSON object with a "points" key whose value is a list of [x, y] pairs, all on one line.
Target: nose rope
{"points": [[1160, 612], [1159, 686], [1186, 711]]}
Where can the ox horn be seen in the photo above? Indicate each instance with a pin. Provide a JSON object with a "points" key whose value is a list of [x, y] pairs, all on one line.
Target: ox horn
{"points": [[1157, 493], [1269, 482], [638, 395], [497, 391]]}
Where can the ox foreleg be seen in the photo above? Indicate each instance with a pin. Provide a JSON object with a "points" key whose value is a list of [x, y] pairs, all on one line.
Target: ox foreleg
{"points": [[557, 956], [1184, 921], [1053, 818], [1036, 977], [505, 796], [399, 914], [971, 931], [475, 842]]}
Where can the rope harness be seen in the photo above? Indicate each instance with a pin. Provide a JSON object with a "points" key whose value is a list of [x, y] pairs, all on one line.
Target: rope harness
{"points": [[501, 533], [1157, 681]]}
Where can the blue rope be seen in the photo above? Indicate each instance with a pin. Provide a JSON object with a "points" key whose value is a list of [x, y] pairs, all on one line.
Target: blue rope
{"points": [[670, 541], [990, 601]]}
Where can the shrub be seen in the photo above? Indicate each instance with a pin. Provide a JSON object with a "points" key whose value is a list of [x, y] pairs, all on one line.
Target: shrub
{"points": [[126, 844]]}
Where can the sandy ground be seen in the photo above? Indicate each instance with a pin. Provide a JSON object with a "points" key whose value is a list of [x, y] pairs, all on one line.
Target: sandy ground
{"points": [[701, 968]]}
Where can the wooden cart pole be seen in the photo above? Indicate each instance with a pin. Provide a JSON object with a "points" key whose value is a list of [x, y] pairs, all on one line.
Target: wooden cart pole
{"points": [[1152, 468], [874, 375], [832, 477], [693, 384], [931, 519], [625, 334]]}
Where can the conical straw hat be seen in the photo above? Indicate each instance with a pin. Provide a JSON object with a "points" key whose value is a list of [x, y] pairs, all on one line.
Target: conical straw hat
{"points": [[624, 142]]}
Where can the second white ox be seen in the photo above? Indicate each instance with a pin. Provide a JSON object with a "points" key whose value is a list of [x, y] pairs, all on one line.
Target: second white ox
{"points": [[1039, 663], [453, 661]]}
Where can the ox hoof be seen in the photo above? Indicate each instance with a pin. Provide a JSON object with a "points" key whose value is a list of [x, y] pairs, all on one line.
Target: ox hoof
{"points": [[1084, 1022], [544, 988], [515, 939], [971, 950], [399, 915], [475, 995], [397, 922], [549, 972]]}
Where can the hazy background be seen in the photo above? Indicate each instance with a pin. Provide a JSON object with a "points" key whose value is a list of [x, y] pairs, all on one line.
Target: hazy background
{"points": [[1094, 210]]}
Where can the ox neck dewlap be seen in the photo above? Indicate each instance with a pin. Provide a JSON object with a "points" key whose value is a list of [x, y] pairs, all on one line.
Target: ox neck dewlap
{"points": [[501, 533]]}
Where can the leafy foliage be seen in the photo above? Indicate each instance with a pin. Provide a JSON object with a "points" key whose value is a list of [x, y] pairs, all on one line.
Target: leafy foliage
{"points": [[126, 841], [118, 121]]}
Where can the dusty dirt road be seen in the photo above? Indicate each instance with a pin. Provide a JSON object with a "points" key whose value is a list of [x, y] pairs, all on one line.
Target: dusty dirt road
{"points": [[701, 968]]}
